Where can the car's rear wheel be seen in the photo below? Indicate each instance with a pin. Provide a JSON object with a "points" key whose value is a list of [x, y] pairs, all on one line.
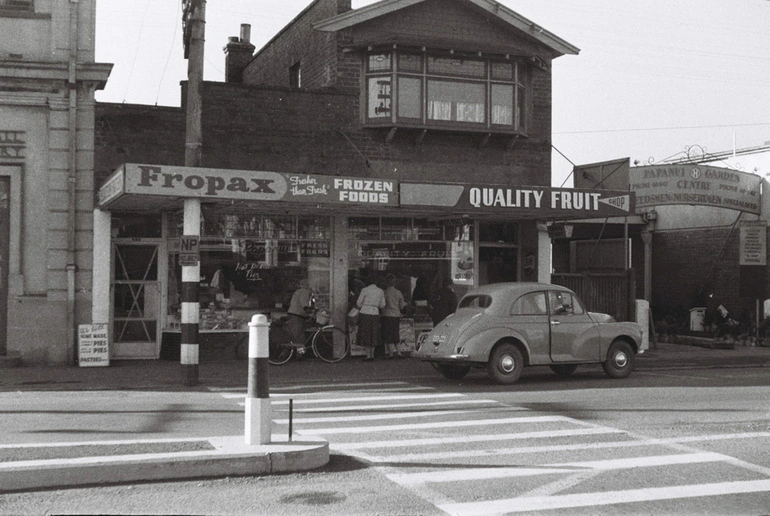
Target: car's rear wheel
{"points": [[620, 360], [505, 364], [564, 369], [453, 372]]}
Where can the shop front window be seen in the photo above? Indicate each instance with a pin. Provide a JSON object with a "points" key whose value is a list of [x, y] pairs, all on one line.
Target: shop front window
{"points": [[252, 263], [431, 262]]}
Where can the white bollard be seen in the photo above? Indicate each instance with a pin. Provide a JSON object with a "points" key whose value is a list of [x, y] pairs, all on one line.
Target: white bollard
{"points": [[258, 419]]}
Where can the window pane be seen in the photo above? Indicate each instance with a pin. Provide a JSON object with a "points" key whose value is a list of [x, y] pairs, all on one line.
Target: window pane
{"points": [[409, 63], [136, 262], [451, 66], [530, 304], [500, 232], [520, 108], [379, 97], [502, 104], [379, 62], [502, 71], [456, 101], [136, 226], [475, 302], [561, 303], [409, 97]]}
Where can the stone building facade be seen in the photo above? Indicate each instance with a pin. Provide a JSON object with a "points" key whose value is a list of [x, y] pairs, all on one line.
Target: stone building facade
{"points": [[47, 81]]}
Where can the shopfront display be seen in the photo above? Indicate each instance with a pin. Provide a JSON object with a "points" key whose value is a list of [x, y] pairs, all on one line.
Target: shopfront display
{"points": [[253, 252], [426, 258], [251, 263]]}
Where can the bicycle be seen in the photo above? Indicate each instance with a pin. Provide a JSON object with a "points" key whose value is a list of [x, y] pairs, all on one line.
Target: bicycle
{"points": [[321, 338]]}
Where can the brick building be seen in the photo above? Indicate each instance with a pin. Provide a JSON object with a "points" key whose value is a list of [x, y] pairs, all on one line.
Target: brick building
{"points": [[404, 138], [47, 81]]}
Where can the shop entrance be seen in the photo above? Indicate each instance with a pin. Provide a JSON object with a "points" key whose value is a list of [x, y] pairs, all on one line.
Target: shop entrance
{"points": [[498, 264], [135, 301], [5, 230]]}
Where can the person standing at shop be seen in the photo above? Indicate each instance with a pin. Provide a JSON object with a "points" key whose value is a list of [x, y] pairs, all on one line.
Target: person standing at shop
{"points": [[300, 302], [370, 301], [391, 318], [444, 304]]}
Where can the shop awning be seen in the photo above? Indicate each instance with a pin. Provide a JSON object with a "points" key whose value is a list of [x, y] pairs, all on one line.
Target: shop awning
{"points": [[147, 188]]}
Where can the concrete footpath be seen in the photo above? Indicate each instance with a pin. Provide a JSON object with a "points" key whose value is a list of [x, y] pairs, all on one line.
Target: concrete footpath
{"points": [[146, 389]]}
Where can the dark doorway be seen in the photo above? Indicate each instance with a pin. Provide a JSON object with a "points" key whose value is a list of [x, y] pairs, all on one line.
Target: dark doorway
{"points": [[497, 264]]}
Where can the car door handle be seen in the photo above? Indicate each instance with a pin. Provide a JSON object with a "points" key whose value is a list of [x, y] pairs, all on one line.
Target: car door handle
{"points": [[555, 323]]}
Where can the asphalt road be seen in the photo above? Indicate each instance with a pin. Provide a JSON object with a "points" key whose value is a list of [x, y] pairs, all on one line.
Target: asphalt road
{"points": [[689, 441]]}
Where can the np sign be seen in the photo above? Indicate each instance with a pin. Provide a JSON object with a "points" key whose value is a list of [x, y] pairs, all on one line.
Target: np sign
{"points": [[189, 251]]}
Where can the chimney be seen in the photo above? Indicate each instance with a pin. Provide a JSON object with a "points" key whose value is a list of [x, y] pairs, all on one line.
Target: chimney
{"points": [[344, 6], [238, 53]]}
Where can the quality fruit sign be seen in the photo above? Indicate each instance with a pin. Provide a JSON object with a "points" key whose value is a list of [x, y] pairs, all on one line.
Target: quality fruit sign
{"points": [[542, 202]]}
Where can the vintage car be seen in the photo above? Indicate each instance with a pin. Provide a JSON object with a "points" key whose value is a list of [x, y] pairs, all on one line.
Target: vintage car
{"points": [[507, 326]]}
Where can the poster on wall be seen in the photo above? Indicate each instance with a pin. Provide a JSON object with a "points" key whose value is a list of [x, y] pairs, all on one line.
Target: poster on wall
{"points": [[753, 259], [406, 334], [462, 263], [93, 345]]}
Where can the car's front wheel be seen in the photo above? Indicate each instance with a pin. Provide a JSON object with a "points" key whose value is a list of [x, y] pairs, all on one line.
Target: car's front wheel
{"points": [[453, 372], [564, 369], [505, 364], [620, 360]]}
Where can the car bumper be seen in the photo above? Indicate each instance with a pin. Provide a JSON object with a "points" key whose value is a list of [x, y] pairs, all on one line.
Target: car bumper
{"points": [[436, 357]]}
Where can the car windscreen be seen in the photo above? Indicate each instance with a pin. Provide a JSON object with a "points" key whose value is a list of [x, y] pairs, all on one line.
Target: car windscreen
{"points": [[475, 301]]}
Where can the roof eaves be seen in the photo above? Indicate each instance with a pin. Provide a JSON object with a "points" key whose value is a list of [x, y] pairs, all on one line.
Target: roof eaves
{"points": [[362, 14], [512, 18], [525, 25]]}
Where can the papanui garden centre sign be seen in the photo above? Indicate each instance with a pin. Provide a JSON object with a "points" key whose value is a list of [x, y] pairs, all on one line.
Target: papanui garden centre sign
{"points": [[657, 185]]}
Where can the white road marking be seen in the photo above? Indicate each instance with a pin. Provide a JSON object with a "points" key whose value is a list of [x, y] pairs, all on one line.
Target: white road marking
{"points": [[301, 395], [594, 499], [371, 417], [374, 397], [315, 386], [395, 406], [678, 376], [403, 443], [418, 457], [367, 430], [487, 473]]}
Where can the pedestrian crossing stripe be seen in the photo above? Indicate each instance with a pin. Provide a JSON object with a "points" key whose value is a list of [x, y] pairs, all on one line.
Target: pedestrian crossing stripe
{"points": [[368, 430], [467, 439], [489, 473], [370, 417], [391, 406], [373, 397], [603, 498]]}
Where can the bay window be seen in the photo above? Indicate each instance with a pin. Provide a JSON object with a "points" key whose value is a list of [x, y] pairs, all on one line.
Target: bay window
{"points": [[405, 88]]}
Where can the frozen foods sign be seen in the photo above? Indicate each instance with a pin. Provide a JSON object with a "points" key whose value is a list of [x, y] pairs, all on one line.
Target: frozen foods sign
{"points": [[209, 183], [695, 184]]}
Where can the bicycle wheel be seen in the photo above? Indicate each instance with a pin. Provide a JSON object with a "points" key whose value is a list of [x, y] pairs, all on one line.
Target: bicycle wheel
{"points": [[279, 353], [331, 344]]}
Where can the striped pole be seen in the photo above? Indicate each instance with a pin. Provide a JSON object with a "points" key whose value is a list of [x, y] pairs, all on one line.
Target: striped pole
{"points": [[258, 418], [191, 275]]}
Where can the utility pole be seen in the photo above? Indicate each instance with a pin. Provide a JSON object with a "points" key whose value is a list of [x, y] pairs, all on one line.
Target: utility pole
{"points": [[194, 24]]}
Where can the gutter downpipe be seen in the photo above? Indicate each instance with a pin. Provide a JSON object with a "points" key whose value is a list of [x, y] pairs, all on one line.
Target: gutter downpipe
{"points": [[72, 179]]}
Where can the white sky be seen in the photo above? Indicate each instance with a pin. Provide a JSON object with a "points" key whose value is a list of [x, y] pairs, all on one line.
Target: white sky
{"points": [[653, 77]]}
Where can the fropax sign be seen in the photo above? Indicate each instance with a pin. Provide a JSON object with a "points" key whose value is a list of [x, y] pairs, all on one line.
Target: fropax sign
{"points": [[255, 185]]}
